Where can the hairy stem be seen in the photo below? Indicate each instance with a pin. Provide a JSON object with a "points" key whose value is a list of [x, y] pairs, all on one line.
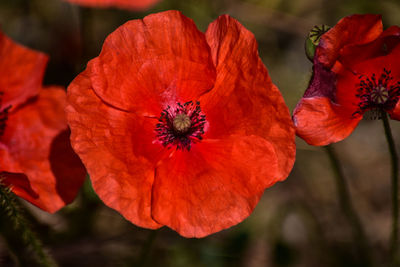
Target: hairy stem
{"points": [[12, 213]]}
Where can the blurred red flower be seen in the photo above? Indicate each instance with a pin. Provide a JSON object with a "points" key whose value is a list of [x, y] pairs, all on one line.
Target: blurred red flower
{"points": [[124, 4], [36, 159], [356, 70], [180, 128]]}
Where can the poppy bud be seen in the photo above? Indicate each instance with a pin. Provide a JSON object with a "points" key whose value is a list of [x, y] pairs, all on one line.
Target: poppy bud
{"points": [[313, 40]]}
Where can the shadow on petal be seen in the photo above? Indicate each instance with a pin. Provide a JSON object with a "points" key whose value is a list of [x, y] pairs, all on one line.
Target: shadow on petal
{"points": [[68, 169]]}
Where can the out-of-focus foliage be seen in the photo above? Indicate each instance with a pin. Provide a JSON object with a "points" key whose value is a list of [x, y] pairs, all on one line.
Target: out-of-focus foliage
{"points": [[297, 222]]}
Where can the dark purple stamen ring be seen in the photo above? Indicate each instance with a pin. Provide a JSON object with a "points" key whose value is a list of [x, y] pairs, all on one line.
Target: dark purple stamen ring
{"points": [[377, 94], [181, 126]]}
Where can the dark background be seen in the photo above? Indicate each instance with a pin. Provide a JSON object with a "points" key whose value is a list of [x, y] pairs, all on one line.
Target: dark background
{"points": [[298, 222]]}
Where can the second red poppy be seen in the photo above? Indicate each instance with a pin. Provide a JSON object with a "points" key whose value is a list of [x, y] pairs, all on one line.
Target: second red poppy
{"points": [[356, 70]]}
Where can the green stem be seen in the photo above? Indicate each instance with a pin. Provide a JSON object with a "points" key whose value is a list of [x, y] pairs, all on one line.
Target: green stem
{"points": [[348, 209], [395, 192], [11, 212]]}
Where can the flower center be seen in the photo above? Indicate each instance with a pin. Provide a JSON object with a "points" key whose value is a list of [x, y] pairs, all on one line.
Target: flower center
{"points": [[182, 123], [3, 116], [377, 93], [181, 126]]}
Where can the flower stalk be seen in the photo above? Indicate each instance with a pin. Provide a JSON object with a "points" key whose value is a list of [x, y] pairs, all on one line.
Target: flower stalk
{"points": [[11, 212], [395, 192], [347, 207]]}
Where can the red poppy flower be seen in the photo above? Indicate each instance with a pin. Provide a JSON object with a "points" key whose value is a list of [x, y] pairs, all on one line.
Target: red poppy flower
{"points": [[36, 161], [180, 128], [356, 70], [124, 4]]}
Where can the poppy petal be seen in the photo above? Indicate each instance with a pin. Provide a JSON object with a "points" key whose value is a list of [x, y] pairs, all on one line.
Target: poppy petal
{"points": [[125, 4], [200, 192], [384, 45], [120, 166], [19, 184], [66, 167], [178, 62], [244, 100], [22, 71], [395, 113], [323, 83], [319, 122], [355, 29], [29, 133], [375, 64]]}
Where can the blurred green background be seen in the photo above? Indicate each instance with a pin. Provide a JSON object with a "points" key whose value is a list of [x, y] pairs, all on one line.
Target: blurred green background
{"points": [[298, 222]]}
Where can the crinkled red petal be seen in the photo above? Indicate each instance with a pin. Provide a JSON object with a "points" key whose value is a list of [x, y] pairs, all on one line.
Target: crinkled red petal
{"points": [[147, 64], [26, 146], [117, 149], [320, 122], [384, 45], [214, 186], [244, 100], [22, 71], [355, 29]]}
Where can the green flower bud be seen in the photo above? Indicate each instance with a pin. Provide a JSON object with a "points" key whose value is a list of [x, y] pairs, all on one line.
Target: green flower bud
{"points": [[313, 38]]}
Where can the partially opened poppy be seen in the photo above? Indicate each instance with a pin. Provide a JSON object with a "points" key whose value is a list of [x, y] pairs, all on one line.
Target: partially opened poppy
{"points": [[123, 4], [36, 160], [356, 70], [180, 128]]}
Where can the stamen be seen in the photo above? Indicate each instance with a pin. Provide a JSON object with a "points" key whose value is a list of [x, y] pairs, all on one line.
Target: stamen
{"points": [[377, 94], [181, 126]]}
